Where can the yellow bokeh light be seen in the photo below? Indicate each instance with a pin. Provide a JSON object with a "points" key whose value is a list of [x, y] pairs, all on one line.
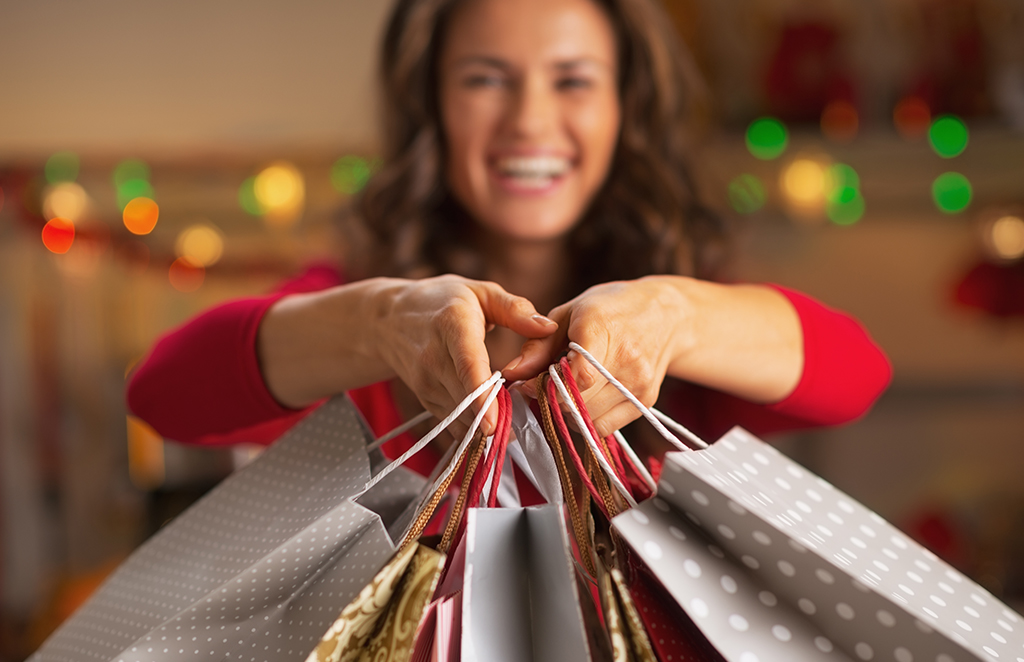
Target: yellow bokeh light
{"points": [[201, 243], [805, 182], [65, 200], [279, 187], [1007, 237], [140, 215]]}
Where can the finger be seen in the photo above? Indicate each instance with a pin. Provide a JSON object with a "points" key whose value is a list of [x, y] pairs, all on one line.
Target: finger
{"points": [[538, 353], [511, 311], [472, 368], [616, 418]]}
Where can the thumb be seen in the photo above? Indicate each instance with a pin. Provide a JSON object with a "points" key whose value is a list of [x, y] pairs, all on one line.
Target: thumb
{"points": [[538, 353]]}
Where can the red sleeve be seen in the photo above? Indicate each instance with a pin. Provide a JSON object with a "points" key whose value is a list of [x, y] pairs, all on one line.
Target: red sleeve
{"points": [[201, 383], [844, 373]]}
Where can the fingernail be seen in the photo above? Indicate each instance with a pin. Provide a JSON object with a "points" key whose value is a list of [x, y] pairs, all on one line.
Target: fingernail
{"points": [[546, 321], [513, 363]]}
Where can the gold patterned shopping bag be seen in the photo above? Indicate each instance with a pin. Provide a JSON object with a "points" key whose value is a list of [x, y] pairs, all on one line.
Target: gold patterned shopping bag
{"points": [[380, 624]]}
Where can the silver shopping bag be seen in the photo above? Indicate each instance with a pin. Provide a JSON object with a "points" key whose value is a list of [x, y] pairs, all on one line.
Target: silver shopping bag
{"points": [[774, 563], [521, 599], [260, 567]]}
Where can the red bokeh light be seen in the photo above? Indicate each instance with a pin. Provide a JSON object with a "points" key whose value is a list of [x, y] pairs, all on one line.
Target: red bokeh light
{"points": [[185, 275], [912, 117], [58, 235], [840, 121]]}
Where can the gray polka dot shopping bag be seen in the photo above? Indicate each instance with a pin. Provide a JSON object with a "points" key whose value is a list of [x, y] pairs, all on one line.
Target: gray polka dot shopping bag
{"points": [[260, 568], [771, 562]]}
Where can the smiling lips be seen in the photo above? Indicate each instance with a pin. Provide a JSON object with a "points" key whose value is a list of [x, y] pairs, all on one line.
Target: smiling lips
{"points": [[532, 172]]}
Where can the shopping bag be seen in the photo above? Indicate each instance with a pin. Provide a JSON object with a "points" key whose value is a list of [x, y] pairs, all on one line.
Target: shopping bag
{"points": [[250, 567], [262, 565], [384, 622], [773, 562], [521, 599]]}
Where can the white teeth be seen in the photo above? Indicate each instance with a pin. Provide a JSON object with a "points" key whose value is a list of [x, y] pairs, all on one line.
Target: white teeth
{"points": [[533, 167]]}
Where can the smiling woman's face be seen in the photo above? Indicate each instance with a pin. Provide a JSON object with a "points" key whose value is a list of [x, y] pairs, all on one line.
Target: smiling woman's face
{"points": [[530, 111]]}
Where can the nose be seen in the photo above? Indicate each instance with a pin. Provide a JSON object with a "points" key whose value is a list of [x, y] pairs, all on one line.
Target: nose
{"points": [[534, 108]]}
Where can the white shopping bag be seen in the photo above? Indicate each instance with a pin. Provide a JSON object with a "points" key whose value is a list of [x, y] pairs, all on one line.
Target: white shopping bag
{"points": [[521, 599], [774, 563], [260, 567]]}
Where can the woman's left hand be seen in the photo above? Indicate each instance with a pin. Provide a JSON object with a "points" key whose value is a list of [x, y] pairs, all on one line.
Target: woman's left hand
{"points": [[741, 339]]}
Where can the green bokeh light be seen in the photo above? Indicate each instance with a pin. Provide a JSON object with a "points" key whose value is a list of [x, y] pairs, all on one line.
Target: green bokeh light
{"points": [[130, 189], [62, 167], [746, 194], [247, 199], [841, 175], [845, 206], [952, 192], [128, 170], [948, 136], [767, 138], [349, 174]]}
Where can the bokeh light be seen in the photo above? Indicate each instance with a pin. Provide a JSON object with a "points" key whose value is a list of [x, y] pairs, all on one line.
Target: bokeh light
{"points": [[746, 194], [185, 275], [58, 235], [280, 191], [767, 138], [844, 202], [840, 121], [948, 136], [62, 167], [845, 206], [804, 182], [131, 180], [202, 244], [912, 117], [247, 198], [349, 174], [952, 192], [1006, 237], [140, 215], [128, 170], [131, 189], [66, 200]]}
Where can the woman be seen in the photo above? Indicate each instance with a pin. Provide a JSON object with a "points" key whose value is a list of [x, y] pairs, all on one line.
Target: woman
{"points": [[536, 149]]}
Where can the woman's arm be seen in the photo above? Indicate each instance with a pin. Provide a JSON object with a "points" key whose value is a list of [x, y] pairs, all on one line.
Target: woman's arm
{"points": [[250, 361], [759, 343]]}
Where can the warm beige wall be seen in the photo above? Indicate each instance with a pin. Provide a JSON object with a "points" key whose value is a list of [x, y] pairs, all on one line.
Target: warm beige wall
{"points": [[183, 76]]}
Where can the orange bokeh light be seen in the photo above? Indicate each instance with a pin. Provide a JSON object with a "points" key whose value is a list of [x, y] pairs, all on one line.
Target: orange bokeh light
{"points": [[185, 275], [58, 235], [840, 121], [912, 117], [140, 215]]}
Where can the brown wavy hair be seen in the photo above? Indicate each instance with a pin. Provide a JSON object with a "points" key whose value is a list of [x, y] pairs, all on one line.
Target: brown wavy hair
{"points": [[645, 219]]}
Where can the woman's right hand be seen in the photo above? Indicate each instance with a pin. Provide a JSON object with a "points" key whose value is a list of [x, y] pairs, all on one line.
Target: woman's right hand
{"points": [[428, 333]]}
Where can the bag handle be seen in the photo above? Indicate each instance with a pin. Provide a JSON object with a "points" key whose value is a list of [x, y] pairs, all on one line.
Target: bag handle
{"points": [[647, 413], [496, 378], [590, 434]]}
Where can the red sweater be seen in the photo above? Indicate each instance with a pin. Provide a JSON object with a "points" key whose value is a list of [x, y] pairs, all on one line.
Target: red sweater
{"points": [[201, 383]]}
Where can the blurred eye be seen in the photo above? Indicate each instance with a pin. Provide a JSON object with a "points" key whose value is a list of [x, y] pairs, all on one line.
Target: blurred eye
{"points": [[573, 83], [483, 81]]}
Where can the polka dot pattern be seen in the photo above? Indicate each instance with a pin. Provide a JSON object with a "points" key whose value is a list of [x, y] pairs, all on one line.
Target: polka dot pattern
{"points": [[864, 586], [252, 571], [742, 619]]}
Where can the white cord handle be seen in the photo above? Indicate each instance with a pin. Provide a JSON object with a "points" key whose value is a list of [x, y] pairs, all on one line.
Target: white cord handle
{"points": [[651, 418], [636, 462], [469, 433], [601, 459], [401, 429], [494, 382]]}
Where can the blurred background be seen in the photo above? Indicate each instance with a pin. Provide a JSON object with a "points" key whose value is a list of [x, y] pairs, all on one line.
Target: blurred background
{"points": [[156, 158]]}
